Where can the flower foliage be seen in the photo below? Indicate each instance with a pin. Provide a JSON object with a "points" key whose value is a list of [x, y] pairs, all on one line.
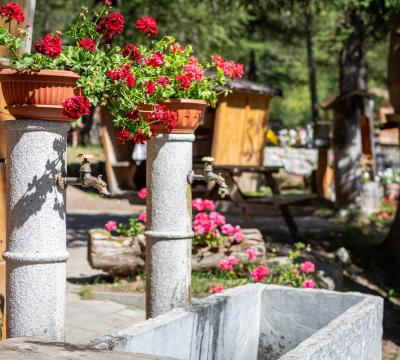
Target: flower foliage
{"points": [[122, 79], [291, 273], [210, 227]]}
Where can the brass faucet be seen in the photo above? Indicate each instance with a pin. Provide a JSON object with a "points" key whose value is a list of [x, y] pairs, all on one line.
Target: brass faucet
{"points": [[86, 179], [209, 175]]}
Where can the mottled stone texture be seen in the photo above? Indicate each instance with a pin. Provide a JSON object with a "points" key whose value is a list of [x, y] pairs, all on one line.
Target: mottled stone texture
{"points": [[169, 230], [36, 251], [261, 322]]}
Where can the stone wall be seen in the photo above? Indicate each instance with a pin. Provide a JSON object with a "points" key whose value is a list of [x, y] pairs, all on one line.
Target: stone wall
{"points": [[259, 321]]}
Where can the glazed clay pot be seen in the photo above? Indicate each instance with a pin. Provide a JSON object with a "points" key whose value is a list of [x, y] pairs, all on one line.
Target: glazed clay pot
{"points": [[39, 94], [189, 113]]}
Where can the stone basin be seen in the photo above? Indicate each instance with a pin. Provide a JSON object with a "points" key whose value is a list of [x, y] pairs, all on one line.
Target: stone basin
{"points": [[258, 321]]}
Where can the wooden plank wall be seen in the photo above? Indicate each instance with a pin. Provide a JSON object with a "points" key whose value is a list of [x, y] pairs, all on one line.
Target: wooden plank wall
{"points": [[239, 129]]}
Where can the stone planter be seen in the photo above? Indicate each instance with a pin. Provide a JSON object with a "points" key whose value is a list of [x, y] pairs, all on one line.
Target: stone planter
{"points": [[37, 94], [261, 322], [123, 256], [189, 113]]}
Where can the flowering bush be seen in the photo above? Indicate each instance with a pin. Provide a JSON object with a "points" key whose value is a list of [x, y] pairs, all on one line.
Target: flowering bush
{"points": [[291, 273], [121, 79], [133, 228], [210, 227]]}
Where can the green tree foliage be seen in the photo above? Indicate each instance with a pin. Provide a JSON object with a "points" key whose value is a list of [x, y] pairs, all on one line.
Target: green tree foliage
{"points": [[268, 36]]}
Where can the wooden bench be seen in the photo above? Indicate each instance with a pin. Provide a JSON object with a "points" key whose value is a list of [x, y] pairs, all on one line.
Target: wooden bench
{"points": [[279, 202]]}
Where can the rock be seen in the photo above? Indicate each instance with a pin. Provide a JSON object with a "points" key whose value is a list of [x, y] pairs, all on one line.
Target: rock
{"points": [[343, 256]]}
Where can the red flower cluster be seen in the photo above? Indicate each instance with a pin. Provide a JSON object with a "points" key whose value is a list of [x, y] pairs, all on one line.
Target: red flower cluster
{"points": [[123, 74], [155, 60], [88, 44], [110, 25], [163, 80], [176, 47], [148, 26], [49, 45], [140, 137], [76, 106], [184, 81], [193, 71], [13, 12], [123, 136], [162, 115], [133, 115], [132, 52], [150, 87], [230, 68]]}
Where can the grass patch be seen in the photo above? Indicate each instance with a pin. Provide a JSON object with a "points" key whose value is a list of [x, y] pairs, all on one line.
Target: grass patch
{"points": [[86, 293]]}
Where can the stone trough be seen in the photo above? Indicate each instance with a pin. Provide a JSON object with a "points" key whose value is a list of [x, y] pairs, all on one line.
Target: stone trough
{"points": [[259, 321]]}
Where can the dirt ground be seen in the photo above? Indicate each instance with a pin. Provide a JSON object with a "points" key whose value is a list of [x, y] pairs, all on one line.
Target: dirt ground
{"points": [[371, 270]]}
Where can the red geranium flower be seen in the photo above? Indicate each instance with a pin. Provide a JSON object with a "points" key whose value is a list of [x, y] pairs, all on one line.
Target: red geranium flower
{"points": [[123, 74], [110, 25], [148, 26], [13, 12], [49, 45], [219, 61], [164, 116], [184, 81], [123, 136], [140, 137], [133, 115], [133, 52], [88, 44], [76, 106], [150, 86], [193, 71], [163, 80]]}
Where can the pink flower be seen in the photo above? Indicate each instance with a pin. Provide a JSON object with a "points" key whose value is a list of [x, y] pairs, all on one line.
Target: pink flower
{"points": [[260, 272], [227, 229], [309, 284], [215, 290], [203, 204], [217, 217], [228, 263], [203, 223], [307, 267], [111, 225], [142, 217], [251, 254], [142, 193], [237, 234]]}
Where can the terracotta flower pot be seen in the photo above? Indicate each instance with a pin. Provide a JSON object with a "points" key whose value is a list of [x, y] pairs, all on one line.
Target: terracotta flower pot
{"points": [[189, 113], [37, 94]]}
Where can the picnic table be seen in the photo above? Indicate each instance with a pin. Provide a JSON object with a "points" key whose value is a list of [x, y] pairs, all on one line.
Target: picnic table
{"points": [[249, 205]]}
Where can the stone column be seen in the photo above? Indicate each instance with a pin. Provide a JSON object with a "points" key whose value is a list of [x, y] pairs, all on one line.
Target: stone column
{"points": [[169, 222], [36, 251]]}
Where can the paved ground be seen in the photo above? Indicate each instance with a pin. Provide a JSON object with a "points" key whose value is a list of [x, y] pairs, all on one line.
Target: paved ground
{"points": [[90, 319]]}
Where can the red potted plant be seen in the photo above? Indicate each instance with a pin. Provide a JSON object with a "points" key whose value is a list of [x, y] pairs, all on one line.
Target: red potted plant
{"points": [[150, 88]]}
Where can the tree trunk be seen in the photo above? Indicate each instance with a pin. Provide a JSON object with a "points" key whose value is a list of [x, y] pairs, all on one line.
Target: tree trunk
{"points": [[311, 68], [347, 114], [392, 241]]}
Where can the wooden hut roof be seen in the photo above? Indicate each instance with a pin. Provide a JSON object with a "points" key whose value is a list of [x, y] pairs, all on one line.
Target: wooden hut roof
{"points": [[240, 85]]}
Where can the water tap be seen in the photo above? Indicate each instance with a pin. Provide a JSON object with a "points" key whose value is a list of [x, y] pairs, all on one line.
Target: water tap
{"points": [[86, 179], [209, 175]]}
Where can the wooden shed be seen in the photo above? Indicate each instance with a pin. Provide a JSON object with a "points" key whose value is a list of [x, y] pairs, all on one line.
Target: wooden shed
{"points": [[233, 133]]}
